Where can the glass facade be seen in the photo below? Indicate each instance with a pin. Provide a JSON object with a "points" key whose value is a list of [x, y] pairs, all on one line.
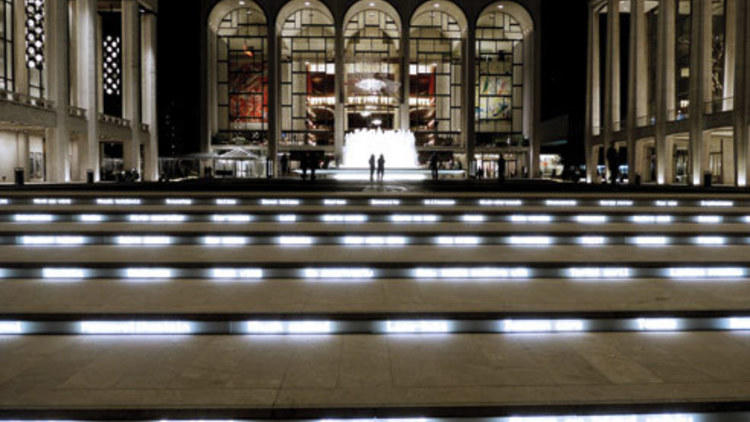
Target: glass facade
{"points": [[499, 81], [719, 96], [682, 59], [651, 11], [35, 41], [6, 45], [308, 98]]}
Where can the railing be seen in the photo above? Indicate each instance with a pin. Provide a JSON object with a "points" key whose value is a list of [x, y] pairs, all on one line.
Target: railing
{"points": [[718, 105], [23, 99], [74, 111], [677, 114], [118, 121], [145, 127], [642, 121]]}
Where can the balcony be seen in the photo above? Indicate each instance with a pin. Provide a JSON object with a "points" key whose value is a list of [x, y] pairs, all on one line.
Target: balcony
{"points": [[114, 120], [26, 100], [79, 112]]}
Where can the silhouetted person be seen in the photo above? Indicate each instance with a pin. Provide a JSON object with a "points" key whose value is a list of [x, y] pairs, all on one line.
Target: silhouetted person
{"points": [[501, 168], [434, 166], [304, 163], [613, 163], [313, 163], [372, 167], [284, 164], [381, 167]]}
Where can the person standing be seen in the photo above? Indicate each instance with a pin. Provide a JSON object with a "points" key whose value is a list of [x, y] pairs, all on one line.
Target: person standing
{"points": [[381, 168], [612, 162], [284, 164], [501, 168], [434, 166], [304, 162], [372, 167]]}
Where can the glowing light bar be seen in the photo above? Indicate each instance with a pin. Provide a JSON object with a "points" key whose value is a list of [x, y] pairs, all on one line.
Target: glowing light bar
{"points": [[540, 325], [235, 218], [143, 240], [295, 240], [385, 202], [439, 202], [709, 219], [603, 273], [592, 240], [146, 273], [375, 240], [288, 327], [156, 218], [33, 218], [458, 240], [335, 202], [651, 219], [52, 240], [662, 203], [717, 203], [280, 202], [135, 327], [530, 240], [286, 218], [650, 240], [226, 201], [615, 203], [62, 273], [224, 240], [657, 324], [344, 218], [475, 218], [339, 273], [739, 323], [531, 218], [4, 201], [52, 201], [118, 201], [481, 273], [500, 202], [178, 201], [710, 240], [401, 218], [561, 202], [591, 219], [717, 272], [416, 327], [91, 218], [231, 273], [11, 327]]}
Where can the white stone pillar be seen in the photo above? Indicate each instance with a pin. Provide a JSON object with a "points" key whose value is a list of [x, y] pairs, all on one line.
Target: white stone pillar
{"points": [[88, 42], [58, 138], [592, 94], [339, 122], [20, 72], [741, 52], [730, 52], [611, 76], [469, 94], [637, 82], [665, 95], [150, 116], [131, 90], [700, 81], [403, 117], [274, 95]]}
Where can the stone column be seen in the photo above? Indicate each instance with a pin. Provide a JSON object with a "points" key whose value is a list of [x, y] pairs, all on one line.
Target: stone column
{"points": [[592, 94], [405, 60], [665, 95], [730, 51], [88, 84], [20, 73], [339, 96], [741, 111], [469, 94], [637, 82], [58, 138], [274, 97], [700, 80], [150, 116], [611, 76], [131, 90]]}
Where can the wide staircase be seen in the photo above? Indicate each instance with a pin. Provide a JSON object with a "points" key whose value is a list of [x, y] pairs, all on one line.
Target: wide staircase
{"points": [[193, 305]]}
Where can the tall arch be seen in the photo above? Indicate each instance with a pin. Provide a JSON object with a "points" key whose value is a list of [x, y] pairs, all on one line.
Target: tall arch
{"points": [[238, 76], [372, 53], [504, 88], [437, 33], [307, 42]]}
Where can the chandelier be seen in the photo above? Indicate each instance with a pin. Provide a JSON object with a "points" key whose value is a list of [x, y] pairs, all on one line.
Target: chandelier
{"points": [[370, 84]]}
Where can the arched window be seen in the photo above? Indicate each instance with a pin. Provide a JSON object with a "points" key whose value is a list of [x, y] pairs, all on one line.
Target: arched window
{"points": [[242, 76], [499, 80], [435, 76], [372, 55], [308, 76]]}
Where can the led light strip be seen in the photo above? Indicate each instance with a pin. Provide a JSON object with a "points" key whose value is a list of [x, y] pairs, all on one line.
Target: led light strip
{"points": [[425, 273], [517, 324], [578, 417]]}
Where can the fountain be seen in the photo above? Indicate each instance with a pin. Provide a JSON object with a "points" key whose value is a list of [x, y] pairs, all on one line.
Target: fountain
{"points": [[397, 146]]}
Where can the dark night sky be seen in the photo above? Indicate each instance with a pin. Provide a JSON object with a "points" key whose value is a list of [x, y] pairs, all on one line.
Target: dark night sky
{"points": [[563, 71]]}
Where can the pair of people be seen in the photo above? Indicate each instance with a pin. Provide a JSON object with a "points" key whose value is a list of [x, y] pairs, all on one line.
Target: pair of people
{"points": [[380, 168]]}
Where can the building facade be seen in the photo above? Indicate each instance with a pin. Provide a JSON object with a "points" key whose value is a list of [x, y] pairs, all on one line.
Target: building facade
{"points": [[78, 89], [295, 77], [668, 88]]}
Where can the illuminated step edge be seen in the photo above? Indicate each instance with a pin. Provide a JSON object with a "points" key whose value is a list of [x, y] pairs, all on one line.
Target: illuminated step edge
{"points": [[218, 324], [447, 239], [360, 218], [332, 272]]}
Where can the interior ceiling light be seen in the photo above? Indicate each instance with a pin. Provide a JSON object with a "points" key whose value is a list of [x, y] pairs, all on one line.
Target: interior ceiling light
{"points": [[111, 65], [34, 34], [371, 84]]}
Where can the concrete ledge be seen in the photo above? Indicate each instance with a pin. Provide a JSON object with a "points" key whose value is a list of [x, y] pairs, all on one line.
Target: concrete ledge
{"points": [[215, 372]]}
